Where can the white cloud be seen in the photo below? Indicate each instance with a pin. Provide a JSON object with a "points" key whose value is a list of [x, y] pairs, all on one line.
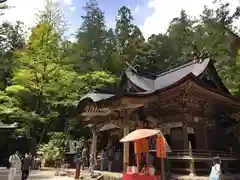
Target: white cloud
{"points": [[136, 10], [165, 11], [23, 10], [26, 10], [72, 8], [68, 2]]}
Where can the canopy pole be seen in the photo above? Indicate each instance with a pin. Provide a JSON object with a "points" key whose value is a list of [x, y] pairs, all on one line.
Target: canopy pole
{"points": [[125, 146], [162, 168]]}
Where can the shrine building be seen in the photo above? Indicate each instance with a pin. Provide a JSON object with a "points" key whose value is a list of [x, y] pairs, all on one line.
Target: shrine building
{"points": [[189, 104]]}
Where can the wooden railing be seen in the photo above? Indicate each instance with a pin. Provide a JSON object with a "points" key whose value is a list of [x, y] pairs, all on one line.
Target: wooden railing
{"points": [[201, 159], [202, 153]]}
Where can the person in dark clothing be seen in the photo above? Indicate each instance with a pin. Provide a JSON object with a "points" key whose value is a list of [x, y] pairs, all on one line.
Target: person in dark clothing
{"points": [[78, 162], [26, 165]]}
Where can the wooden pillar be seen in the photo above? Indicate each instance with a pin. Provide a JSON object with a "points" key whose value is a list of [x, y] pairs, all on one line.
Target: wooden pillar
{"points": [[191, 163], [125, 149], [94, 142], [225, 167], [205, 131], [201, 135], [185, 137]]}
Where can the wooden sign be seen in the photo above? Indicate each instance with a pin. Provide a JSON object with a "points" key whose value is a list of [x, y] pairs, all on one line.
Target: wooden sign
{"points": [[161, 147]]}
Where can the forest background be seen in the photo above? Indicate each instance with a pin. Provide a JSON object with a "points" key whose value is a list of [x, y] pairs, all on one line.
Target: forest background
{"points": [[42, 77]]}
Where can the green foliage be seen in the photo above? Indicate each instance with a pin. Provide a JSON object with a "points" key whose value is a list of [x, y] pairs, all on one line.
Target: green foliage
{"points": [[97, 79], [11, 40], [44, 77], [3, 7], [52, 150]]}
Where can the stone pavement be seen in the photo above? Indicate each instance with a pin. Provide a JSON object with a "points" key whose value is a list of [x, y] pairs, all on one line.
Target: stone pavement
{"points": [[34, 175], [46, 175]]}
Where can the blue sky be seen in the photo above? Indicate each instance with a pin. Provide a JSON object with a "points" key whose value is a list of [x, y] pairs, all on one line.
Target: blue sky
{"points": [[110, 9], [152, 16]]}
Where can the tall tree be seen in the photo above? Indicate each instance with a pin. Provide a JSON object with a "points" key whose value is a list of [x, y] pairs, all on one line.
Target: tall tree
{"points": [[3, 7], [129, 37], [91, 38], [181, 30], [53, 15], [43, 84], [124, 28], [12, 38]]}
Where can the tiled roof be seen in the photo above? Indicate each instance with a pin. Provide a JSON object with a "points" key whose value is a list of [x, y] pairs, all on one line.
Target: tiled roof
{"points": [[161, 81], [169, 77]]}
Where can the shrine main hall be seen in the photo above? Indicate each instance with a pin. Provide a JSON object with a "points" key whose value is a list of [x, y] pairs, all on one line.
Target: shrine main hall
{"points": [[191, 106]]}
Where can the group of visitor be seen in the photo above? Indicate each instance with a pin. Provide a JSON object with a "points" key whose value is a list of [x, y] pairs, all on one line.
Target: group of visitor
{"points": [[108, 156], [83, 159], [15, 162]]}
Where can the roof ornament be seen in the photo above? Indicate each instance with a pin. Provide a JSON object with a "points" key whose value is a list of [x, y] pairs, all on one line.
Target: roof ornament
{"points": [[199, 56], [131, 66]]}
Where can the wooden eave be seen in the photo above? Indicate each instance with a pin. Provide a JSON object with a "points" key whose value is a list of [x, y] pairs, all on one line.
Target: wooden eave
{"points": [[184, 82], [190, 85], [218, 78], [135, 87], [201, 85]]}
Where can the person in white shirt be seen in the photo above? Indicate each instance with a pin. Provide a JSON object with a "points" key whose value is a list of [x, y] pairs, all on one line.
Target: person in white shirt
{"points": [[92, 164], [216, 169], [15, 163]]}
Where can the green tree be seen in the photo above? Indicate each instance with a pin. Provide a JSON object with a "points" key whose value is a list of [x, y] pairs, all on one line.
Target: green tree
{"points": [[124, 28], [181, 30], [53, 15], [3, 7], [129, 38], [47, 84], [12, 38], [91, 38]]}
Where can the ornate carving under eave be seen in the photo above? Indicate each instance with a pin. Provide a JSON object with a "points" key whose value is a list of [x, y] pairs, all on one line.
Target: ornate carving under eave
{"points": [[91, 107], [97, 112]]}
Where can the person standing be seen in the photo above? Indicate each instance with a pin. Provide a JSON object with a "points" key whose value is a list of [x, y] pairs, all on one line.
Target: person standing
{"points": [[216, 173], [102, 159], [15, 162], [38, 162], [78, 163], [110, 157], [84, 156], [30, 157], [26, 165], [92, 164]]}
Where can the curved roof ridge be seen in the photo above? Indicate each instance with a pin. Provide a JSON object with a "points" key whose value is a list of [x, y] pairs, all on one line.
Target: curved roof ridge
{"points": [[141, 81], [177, 67], [170, 77]]}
